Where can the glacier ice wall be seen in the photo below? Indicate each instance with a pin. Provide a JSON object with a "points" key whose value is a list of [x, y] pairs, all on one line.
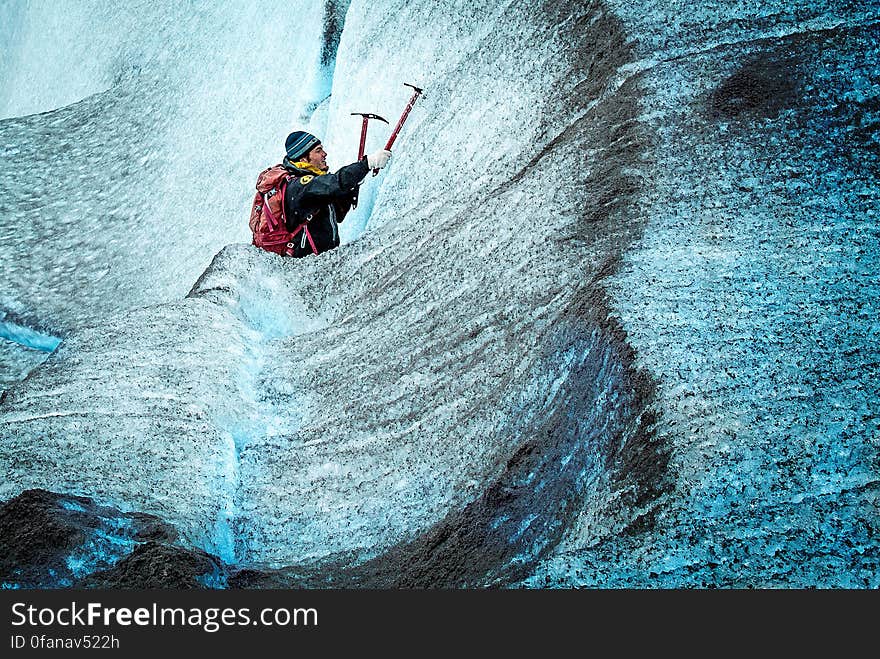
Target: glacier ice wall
{"points": [[124, 177], [751, 300], [566, 340]]}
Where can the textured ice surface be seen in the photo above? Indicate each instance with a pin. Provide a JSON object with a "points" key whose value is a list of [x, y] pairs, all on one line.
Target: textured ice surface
{"points": [[752, 299]]}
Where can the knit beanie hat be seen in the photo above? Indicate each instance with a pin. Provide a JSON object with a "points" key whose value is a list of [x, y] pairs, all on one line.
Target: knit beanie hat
{"points": [[299, 143]]}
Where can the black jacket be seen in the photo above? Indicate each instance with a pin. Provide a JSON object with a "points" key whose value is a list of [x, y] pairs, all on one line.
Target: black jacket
{"points": [[326, 199]]}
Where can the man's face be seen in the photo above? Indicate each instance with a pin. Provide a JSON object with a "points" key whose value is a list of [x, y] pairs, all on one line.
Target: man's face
{"points": [[318, 158]]}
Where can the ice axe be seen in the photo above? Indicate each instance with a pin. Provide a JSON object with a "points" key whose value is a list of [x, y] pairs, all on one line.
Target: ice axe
{"points": [[412, 101], [367, 116]]}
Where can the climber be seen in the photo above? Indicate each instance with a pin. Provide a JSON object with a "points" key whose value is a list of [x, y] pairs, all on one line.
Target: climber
{"points": [[315, 201]]}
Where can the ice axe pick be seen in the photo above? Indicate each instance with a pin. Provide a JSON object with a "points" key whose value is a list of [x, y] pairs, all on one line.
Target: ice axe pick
{"points": [[367, 116]]}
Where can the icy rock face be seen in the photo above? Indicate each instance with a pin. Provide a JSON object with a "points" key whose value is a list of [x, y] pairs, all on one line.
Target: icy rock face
{"points": [[453, 372], [580, 331], [50, 540], [129, 155], [452, 342], [137, 411], [751, 299]]}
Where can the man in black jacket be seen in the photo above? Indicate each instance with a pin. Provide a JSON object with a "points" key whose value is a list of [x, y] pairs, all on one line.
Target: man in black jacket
{"points": [[318, 198]]}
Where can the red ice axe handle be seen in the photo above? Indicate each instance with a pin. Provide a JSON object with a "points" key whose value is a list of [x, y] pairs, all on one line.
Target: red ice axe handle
{"points": [[363, 139], [406, 110], [367, 116]]}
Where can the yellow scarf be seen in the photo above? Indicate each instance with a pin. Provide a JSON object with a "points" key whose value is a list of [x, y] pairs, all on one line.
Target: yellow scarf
{"points": [[309, 167]]}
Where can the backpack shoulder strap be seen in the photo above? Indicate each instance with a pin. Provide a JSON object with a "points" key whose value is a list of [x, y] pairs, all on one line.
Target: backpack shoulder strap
{"points": [[280, 188]]}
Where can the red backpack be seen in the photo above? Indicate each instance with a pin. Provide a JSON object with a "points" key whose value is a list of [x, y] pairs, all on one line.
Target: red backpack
{"points": [[267, 222]]}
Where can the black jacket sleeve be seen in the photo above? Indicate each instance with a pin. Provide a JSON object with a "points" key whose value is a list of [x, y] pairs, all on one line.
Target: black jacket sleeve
{"points": [[330, 187], [309, 192]]}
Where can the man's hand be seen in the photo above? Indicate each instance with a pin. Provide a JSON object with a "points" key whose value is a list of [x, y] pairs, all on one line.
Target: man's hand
{"points": [[378, 159]]}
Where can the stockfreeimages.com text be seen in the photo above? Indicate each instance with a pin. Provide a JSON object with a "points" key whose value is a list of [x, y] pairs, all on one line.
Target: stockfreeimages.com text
{"points": [[209, 619]]}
